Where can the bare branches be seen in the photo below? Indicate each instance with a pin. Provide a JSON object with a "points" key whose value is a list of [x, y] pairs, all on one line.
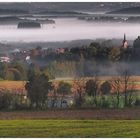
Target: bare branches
{"points": [[79, 91]]}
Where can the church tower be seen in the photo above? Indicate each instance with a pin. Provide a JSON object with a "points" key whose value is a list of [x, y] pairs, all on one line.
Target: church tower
{"points": [[125, 43]]}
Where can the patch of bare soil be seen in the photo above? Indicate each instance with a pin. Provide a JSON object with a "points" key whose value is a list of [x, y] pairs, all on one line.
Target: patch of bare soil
{"points": [[101, 114]]}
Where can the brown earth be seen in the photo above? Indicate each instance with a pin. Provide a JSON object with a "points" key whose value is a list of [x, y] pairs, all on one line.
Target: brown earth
{"points": [[107, 114], [18, 86]]}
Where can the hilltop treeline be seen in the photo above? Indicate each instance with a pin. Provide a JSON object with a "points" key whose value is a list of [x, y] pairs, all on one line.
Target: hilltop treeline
{"points": [[85, 61], [94, 51], [17, 71], [73, 62]]}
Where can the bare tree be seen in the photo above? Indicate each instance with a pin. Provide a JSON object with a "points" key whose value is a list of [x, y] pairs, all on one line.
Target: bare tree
{"points": [[128, 85], [125, 80], [116, 88], [132, 88], [54, 96], [79, 90]]}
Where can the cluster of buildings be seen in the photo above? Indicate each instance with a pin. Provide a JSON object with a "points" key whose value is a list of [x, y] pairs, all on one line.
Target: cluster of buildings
{"points": [[5, 59], [28, 54]]}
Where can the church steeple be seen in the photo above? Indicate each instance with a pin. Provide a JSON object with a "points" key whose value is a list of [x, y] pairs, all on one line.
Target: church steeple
{"points": [[125, 43], [124, 38]]}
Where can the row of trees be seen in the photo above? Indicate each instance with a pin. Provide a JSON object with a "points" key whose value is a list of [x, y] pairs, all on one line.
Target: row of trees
{"points": [[40, 89], [95, 51], [119, 89], [17, 71], [41, 94]]}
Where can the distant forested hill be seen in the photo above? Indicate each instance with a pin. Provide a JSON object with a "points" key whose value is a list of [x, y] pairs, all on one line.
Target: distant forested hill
{"points": [[37, 7], [131, 10], [13, 11]]}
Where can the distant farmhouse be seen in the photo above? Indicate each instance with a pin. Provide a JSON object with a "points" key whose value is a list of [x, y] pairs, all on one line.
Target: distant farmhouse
{"points": [[4, 59], [29, 25]]}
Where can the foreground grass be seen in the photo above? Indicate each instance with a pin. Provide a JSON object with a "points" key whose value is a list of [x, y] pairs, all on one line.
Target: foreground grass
{"points": [[70, 128]]}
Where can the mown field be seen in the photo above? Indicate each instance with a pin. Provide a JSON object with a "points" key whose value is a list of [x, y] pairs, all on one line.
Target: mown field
{"points": [[70, 128], [12, 85], [19, 85]]}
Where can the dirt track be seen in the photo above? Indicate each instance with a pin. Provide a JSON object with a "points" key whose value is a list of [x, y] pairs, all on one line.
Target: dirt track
{"points": [[130, 113]]}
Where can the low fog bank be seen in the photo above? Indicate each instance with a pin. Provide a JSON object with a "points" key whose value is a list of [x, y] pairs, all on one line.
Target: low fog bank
{"points": [[110, 68], [91, 68], [117, 68]]}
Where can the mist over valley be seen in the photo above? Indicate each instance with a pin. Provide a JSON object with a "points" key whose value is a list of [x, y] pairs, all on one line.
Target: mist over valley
{"points": [[57, 27]]}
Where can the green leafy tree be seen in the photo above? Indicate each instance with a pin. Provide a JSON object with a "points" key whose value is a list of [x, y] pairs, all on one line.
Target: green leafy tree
{"points": [[33, 71], [11, 71], [114, 54], [92, 88], [3, 70], [22, 69], [16, 74], [38, 88], [105, 87], [92, 51], [48, 73]]}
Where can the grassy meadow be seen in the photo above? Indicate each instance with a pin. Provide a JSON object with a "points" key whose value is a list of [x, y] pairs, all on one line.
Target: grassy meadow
{"points": [[70, 128], [78, 128]]}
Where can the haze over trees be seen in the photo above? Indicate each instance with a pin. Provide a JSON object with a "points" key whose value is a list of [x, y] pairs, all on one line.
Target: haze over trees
{"points": [[90, 61]]}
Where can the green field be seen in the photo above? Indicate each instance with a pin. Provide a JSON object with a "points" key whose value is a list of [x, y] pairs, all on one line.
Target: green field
{"points": [[70, 128]]}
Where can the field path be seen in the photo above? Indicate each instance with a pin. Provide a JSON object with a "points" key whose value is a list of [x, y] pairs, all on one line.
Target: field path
{"points": [[117, 114]]}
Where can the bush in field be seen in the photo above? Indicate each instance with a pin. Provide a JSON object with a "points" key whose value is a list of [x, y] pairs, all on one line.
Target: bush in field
{"points": [[89, 102], [38, 88], [12, 71], [104, 101], [5, 99], [48, 73], [12, 101], [105, 87], [92, 89], [21, 72], [137, 101], [19, 102]]}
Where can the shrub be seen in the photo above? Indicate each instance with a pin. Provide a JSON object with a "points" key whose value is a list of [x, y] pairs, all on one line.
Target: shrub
{"points": [[19, 102], [105, 87], [5, 100], [104, 101], [137, 101], [89, 102], [115, 102]]}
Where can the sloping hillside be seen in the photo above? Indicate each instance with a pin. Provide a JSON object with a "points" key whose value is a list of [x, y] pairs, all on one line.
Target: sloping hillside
{"points": [[131, 10]]}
